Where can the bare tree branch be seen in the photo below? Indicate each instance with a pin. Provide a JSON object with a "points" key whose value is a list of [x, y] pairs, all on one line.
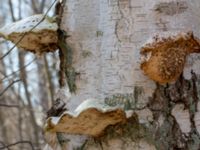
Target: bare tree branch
{"points": [[19, 142], [9, 86], [6, 105], [18, 70], [2, 143], [29, 31]]}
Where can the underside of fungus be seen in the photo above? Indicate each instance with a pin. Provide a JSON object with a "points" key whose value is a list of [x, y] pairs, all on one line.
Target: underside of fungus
{"points": [[37, 34], [163, 58], [90, 118]]}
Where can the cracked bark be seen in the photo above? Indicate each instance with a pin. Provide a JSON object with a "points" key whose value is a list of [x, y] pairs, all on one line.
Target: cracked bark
{"points": [[182, 92]]}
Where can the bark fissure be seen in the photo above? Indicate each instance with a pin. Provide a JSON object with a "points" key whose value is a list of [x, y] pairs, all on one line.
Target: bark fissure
{"points": [[165, 98], [67, 72]]}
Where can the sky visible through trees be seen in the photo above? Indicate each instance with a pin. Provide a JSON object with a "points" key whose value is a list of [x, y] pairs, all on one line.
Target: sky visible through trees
{"points": [[27, 83]]}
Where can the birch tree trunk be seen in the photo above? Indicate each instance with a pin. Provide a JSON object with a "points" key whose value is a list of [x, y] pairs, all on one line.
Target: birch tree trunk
{"points": [[106, 37]]}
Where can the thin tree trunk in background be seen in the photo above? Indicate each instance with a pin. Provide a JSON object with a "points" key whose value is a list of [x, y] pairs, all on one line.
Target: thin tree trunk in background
{"points": [[2, 100], [20, 101], [34, 4], [11, 10], [21, 105], [50, 83], [28, 97], [23, 76], [42, 5], [44, 97], [3, 129], [45, 81], [20, 9], [20, 119]]}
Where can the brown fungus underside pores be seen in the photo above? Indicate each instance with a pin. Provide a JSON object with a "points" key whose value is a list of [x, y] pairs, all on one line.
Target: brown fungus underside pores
{"points": [[91, 118], [164, 58], [37, 34]]}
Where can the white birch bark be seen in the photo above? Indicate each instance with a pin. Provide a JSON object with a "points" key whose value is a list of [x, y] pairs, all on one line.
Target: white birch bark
{"points": [[106, 37]]}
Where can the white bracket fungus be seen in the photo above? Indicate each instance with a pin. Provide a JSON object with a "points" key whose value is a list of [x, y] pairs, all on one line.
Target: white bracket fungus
{"points": [[90, 118], [37, 34]]}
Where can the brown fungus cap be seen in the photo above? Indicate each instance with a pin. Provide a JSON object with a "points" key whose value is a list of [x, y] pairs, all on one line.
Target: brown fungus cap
{"points": [[90, 118], [164, 57]]}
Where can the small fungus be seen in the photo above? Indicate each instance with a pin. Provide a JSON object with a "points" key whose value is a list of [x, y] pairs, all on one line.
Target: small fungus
{"points": [[37, 34], [90, 118], [163, 58]]}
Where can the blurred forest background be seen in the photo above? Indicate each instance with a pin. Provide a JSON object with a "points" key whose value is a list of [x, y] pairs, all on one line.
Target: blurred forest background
{"points": [[27, 83]]}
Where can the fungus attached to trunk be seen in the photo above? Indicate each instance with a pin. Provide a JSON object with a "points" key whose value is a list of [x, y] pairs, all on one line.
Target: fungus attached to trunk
{"points": [[37, 34], [90, 118], [164, 57]]}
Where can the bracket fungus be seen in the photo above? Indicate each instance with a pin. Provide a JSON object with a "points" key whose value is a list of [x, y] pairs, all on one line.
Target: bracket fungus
{"points": [[163, 58], [90, 118], [37, 33]]}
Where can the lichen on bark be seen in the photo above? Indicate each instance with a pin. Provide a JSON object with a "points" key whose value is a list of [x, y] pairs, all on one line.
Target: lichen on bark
{"points": [[127, 101]]}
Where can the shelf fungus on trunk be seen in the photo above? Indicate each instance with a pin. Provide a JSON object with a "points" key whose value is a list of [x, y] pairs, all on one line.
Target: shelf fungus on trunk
{"points": [[37, 33], [90, 118], [163, 57]]}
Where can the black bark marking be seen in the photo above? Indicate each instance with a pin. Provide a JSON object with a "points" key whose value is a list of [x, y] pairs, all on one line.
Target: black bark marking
{"points": [[171, 8]]}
